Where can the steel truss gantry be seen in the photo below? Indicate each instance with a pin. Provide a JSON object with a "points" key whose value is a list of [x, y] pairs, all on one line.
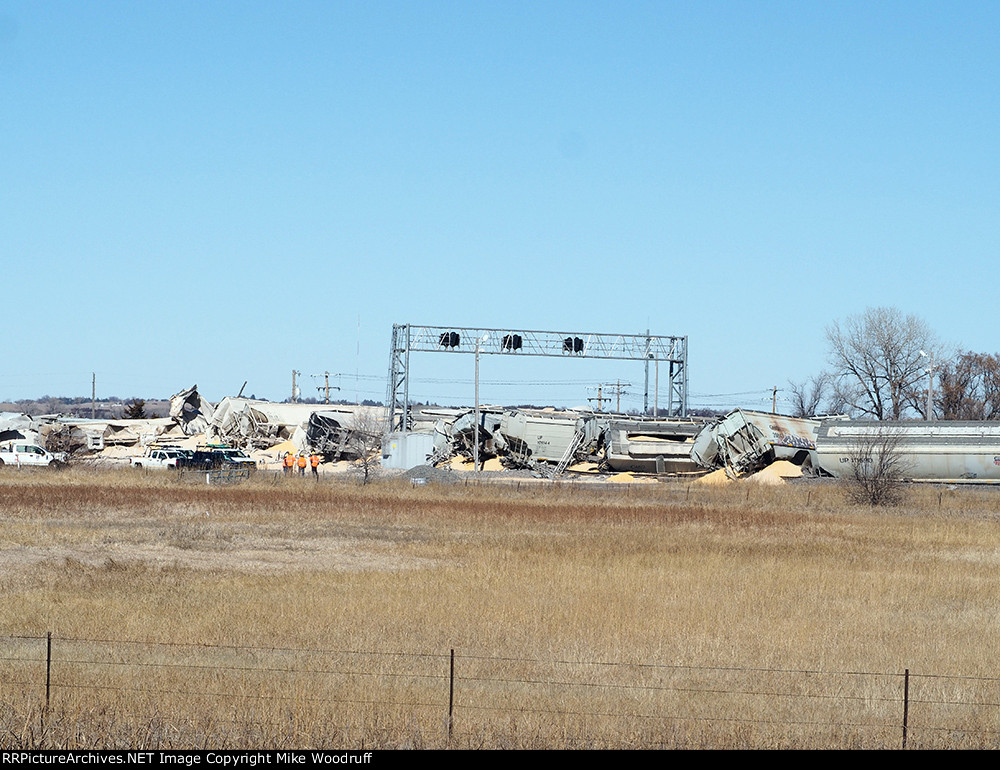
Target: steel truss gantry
{"points": [[652, 349]]}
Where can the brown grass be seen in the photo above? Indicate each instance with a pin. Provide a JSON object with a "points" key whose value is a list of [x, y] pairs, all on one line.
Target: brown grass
{"points": [[286, 613]]}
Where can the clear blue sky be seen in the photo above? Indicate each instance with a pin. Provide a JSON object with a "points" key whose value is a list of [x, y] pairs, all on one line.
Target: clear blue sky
{"points": [[219, 192]]}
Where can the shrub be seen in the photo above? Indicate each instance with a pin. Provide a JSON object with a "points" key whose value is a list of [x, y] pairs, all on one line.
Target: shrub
{"points": [[877, 468]]}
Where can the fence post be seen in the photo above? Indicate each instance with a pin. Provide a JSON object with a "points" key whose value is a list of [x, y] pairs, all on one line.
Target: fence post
{"points": [[906, 703], [48, 668], [451, 695]]}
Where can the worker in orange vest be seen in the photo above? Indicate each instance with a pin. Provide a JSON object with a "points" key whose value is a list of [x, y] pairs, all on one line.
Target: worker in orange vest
{"points": [[314, 460], [289, 463], [302, 463]]}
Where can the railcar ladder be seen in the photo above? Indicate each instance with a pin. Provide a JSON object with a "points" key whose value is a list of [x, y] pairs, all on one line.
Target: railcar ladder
{"points": [[568, 455]]}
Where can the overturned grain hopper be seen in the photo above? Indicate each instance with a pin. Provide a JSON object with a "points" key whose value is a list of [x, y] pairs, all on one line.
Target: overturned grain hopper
{"points": [[956, 451], [527, 438], [651, 446], [327, 434], [744, 441]]}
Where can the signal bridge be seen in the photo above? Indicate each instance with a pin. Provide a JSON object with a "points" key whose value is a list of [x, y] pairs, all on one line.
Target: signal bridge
{"points": [[651, 349]]}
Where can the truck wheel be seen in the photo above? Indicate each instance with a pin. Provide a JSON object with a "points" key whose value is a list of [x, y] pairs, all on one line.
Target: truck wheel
{"points": [[1, 463]]}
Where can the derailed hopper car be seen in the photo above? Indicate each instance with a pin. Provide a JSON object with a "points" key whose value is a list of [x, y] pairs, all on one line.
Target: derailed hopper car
{"points": [[529, 437], [946, 450], [651, 446], [745, 442]]}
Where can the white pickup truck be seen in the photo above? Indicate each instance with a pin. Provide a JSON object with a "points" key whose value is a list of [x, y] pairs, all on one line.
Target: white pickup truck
{"points": [[24, 453], [159, 457]]}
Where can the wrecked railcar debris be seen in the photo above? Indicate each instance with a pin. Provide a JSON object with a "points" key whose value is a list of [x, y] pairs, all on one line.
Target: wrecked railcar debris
{"points": [[16, 425], [452, 433], [339, 432], [189, 410], [248, 423], [81, 435], [244, 423], [462, 432], [346, 432], [745, 441], [130, 432], [956, 451], [327, 435], [331, 431]]}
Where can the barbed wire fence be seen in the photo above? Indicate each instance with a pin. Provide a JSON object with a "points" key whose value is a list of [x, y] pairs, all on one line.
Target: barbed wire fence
{"points": [[65, 692]]}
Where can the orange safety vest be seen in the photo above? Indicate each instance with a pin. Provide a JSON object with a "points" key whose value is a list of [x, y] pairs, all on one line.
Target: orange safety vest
{"points": [[302, 461], [314, 460], [289, 461]]}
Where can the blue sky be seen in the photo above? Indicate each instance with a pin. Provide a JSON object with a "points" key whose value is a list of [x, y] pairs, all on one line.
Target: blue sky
{"points": [[220, 192]]}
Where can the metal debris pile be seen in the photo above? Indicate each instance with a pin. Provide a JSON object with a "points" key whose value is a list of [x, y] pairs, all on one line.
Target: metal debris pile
{"points": [[547, 443], [264, 429]]}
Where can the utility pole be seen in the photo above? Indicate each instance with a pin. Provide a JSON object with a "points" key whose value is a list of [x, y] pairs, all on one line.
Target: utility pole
{"points": [[774, 400], [619, 388], [600, 399], [326, 387], [93, 395]]}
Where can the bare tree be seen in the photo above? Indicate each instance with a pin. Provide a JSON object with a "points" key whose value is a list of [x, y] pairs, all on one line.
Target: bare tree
{"points": [[878, 470], [969, 387], [879, 361], [808, 396], [365, 443]]}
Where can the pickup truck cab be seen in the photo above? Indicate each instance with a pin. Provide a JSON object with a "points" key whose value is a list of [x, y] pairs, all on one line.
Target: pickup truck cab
{"points": [[23, 453], [160, 457]]}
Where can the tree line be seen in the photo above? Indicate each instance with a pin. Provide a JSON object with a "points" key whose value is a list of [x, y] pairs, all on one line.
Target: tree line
{"points": [[884, 365]]}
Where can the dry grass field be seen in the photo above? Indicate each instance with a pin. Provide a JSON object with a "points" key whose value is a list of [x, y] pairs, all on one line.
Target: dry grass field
{"points": [[285, 613]]}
